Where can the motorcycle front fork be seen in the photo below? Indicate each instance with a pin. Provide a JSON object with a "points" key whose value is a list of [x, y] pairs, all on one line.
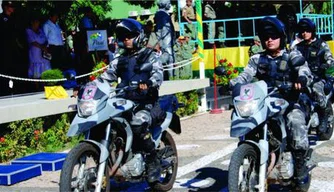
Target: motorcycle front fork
{"points": [[102, 165], [264, 151]]}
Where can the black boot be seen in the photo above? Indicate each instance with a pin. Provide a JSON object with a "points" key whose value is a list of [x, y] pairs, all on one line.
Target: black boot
{"points": [[153, 168], [301, 172], [323, 117], [152, 160]]}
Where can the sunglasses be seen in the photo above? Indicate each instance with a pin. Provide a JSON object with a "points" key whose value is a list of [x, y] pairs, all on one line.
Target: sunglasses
{"points": [[124, 36], [271, 36], [305, 30]]}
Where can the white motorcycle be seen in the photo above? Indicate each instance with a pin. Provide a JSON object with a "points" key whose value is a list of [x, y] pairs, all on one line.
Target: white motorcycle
{"points": [[107, 150], [262, 156]]}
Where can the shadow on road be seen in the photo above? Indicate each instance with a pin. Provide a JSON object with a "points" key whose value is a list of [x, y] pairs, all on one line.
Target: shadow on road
{"points": [[218, 176]]}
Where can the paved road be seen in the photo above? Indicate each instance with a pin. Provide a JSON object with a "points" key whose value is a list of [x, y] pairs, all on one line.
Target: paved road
{"points": [[204, 149]]}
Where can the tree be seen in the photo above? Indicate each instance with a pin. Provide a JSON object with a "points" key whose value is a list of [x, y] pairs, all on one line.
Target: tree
{"points": [[70, 12]]}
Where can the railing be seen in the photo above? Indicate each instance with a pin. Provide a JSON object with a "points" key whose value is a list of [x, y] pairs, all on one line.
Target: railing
{"points": [[246, 27], [32, 106]]}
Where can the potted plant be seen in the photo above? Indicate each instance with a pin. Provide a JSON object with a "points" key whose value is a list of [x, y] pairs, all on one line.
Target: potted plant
{"points": [[52, 89], [231, 73]]}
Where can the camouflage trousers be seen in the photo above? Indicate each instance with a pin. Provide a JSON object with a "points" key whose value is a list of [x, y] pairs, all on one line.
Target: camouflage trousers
{"points": [[211, 27], [297, 125], [319, 94], [190, 30]]}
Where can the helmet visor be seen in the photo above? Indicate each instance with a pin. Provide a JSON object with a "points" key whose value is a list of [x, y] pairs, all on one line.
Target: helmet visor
{"points": [[302, 29], [271, 32], [272, 36], [123, 33]]}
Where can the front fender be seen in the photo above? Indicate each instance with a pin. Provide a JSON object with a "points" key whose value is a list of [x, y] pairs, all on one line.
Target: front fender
{"points": [[104, 152], [261, 147]]}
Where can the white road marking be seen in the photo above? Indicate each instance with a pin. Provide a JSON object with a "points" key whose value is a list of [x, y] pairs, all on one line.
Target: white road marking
{"points": [[189, 183], [217, 137], [186, 147], [326, 164], [321, 186], [205, 160]]}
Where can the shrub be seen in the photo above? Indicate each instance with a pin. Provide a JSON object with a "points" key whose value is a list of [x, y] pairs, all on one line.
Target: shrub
{"points": [[29, 136], [190, 99], [52, 74]]}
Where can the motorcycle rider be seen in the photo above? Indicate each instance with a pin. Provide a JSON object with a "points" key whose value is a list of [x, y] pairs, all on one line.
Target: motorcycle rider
{"points": [[130, 36], [310, 46], [164, 34], [276, 67]]}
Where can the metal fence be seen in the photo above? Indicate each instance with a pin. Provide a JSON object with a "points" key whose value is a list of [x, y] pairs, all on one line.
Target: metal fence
{"points": [[245, 28]]}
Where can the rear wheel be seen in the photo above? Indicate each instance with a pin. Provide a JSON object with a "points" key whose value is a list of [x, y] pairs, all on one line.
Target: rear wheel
{"points": [[79, 171], [169, 163], [243, 172]]}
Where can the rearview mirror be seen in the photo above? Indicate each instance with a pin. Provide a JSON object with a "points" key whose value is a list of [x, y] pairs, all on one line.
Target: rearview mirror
{"points": [[220, 71]]}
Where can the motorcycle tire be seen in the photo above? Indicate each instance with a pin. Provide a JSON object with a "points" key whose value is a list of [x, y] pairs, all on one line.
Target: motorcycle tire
{"points": [[328, 134], [168, 175], [75, 157], [245, 156]]}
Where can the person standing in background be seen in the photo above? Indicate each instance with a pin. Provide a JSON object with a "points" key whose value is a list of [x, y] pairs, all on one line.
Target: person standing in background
{"points": [[256, 48], [189, 50], [188, 14], [210, 14], [9, 50], [37, 45], [164, 36], [54, 36], [222, 12], [133, 15], [88, 21]]}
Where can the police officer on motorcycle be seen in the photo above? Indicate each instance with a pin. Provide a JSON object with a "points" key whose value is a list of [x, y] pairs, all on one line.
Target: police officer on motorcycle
{"points": [[129, 67], [310, 47], [278, 67]]}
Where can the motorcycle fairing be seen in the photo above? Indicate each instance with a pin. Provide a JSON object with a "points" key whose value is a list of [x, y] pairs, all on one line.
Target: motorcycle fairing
{"points": [[241, 126], [157, 131], [81, 124]]}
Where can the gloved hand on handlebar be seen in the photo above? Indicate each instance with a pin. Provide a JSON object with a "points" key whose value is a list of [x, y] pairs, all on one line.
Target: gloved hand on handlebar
{"points": [[236, 90], [145, 85], [301, 83], [324, 66]]}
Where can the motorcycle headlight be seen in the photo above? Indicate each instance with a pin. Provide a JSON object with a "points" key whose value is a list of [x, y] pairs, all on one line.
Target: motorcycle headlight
{"points": [[246, 108], [87, 108]]}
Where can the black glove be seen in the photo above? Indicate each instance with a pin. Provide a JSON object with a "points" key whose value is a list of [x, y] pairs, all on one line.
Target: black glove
{"points": [[303, 81], [324, 66], [236, 90]]}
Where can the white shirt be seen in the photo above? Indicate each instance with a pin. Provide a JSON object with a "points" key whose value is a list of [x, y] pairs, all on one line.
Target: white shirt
{"points": [[52, 32]]}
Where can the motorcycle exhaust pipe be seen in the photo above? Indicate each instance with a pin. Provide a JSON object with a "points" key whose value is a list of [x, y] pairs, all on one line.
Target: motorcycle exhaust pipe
{"points": [[272, 162], [117, 163]]}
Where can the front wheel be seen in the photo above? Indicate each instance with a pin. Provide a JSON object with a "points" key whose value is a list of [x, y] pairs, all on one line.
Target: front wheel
{"points": [[169, 162], [79, 171], [243, 171]]}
